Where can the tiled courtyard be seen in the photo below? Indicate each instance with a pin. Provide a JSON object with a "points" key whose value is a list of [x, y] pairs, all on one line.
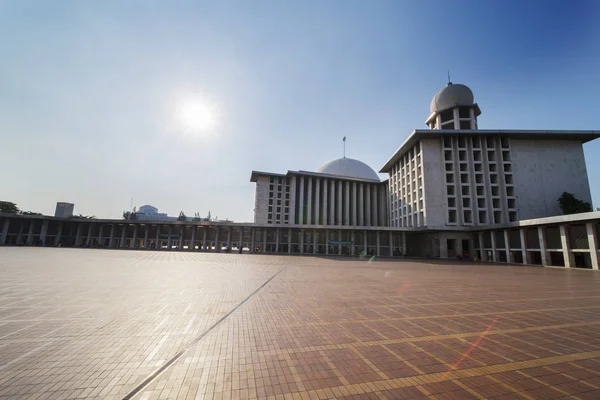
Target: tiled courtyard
{"points": [[112, 324]]}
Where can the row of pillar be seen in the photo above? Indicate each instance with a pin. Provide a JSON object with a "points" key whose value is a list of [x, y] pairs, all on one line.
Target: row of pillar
{"points": [[568, 255], [347, 214]]}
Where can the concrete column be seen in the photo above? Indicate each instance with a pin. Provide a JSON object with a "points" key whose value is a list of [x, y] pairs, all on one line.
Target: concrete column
{"points": [[361, 205], [157, 244], [30, 232], [340, 239], [543, 247], [301, 202], [309, 202], [509, 257], [403, 242], [332, 203], [317, 202], [181, 237], [301, 241], [353, 238], [111, 238], [375, 206], [43, 232], [58, 234], [264, 240], [391, 243], [368, 208], [77, 235], [378, 244], [566, 248], [134, 240], [5, 226], [314, 241], [123, 233], [354, 219], [524, 252], [494, 249], [241, 243], [169, 239], [482, 251], [365, 243], [146, 228], [229, 237], [89, 235], [327, 241], [100, 235], [338, 219], [593, 241], [347, 204], [217, 244], [290, 241], [277, 240], [204, 233], [443, 246], [325, 209], [252, 236]]}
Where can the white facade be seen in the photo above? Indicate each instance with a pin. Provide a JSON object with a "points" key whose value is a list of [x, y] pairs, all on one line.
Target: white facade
{"points": [[64, 210]]}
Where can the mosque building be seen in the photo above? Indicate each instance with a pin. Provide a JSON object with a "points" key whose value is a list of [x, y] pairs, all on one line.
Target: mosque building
{"points": [[444, 181]]}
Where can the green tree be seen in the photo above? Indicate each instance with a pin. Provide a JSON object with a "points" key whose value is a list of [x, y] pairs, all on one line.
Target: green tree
{"points": [[30, 213], [569, 204], [8, 207], [182, 216]]}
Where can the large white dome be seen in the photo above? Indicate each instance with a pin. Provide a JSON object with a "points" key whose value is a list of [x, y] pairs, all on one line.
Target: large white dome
{"points": [[451, 96], [349, 168]]}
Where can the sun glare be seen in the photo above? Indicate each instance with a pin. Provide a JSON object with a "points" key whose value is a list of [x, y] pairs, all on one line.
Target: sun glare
{"points": [[196, 116]]}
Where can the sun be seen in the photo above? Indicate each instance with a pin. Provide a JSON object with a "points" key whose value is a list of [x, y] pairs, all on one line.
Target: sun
{"points": [[196, 116]]}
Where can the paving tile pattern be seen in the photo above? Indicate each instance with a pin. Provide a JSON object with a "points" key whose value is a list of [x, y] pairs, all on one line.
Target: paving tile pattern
{"points": [[97, 323]]}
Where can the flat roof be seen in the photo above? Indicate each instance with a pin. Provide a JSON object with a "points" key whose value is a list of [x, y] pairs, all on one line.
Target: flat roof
{"points": [[255, 174], [418, 134]]}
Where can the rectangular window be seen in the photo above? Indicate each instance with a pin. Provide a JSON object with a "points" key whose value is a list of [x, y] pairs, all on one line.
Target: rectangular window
{"points": [[450, 190], [491, 155], [449, 178], [452, 202], [465, 124], [270, 216], [476, 143], [497, 217], [482, 217], [465, 190], [496, 203], [480, 191], [463, 167], [462, 142], [508, 179], [495, 191], [504, 143], [490, 143], [512, 216], [448, 155], [452, 216], [462, 155], [510, 191], [478, 178], [448, 125], [449, 167], [270, 202], [278, 209], [468, 217], [464, 178], [512, 203], [466, 202], [493, 178], [480, 203], [506, 156], [464, 112], [493, 168], [477, 155], [447, 116], [447, 142], [270, 209], [507, 167], [271, 195]]}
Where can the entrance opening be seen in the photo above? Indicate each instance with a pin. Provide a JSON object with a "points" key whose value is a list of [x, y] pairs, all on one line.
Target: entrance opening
{"points": [[451, 248], [466, 248]]}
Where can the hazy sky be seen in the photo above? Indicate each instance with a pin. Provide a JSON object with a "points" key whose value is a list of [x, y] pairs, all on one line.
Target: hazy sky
{"points": [[89, 91]]}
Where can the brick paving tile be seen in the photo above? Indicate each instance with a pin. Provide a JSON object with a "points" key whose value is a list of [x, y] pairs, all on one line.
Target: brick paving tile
{"points": [[80, 323]]}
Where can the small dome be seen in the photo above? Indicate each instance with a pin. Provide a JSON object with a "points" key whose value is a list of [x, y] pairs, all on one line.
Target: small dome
{"points": [[451, 96], [349, 168]]}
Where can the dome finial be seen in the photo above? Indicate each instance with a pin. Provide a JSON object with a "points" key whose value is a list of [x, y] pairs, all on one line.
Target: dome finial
{"points": [[449, 82], [344, 140]]}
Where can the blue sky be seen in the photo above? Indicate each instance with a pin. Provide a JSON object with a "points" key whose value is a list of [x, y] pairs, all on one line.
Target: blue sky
{"points": [[89, 90]]}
